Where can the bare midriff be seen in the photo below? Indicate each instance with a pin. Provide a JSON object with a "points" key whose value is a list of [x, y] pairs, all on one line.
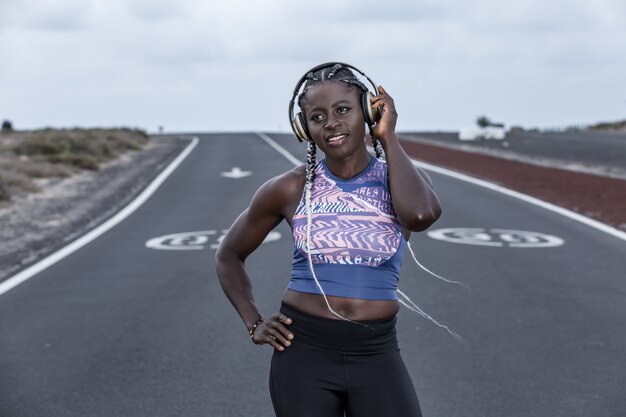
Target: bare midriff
{"points": [[350, 308]]}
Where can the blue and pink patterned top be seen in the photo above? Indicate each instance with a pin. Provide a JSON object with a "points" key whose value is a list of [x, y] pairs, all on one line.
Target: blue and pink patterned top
{"points": [[356, 240]]}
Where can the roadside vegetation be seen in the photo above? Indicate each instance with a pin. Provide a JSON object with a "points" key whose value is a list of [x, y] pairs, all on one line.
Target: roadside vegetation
{"points": [[619, 126], [28, 157], [616, 127]]}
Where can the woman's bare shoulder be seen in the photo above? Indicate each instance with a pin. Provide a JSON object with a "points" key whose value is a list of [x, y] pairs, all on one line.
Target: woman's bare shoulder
{"points": [[282, 190], [293, 180]]}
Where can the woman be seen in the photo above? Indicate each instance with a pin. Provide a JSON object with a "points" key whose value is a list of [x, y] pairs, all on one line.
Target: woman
{"points": [[334, 340]]}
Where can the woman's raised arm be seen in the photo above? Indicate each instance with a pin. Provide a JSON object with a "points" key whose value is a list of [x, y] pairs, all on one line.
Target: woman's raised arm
{"points": [[414, 200]]}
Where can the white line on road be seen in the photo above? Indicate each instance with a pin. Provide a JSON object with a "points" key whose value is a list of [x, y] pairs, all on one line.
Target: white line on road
{"points": [[50, 260], [463, 177], [280, 149], [532, 200]]}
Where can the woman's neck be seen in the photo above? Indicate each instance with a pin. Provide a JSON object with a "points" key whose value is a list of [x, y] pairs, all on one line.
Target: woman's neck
{"points": [[350, 166]]}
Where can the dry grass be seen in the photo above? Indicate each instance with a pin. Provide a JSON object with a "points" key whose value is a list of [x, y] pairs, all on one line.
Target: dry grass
{"points": [[47, 153], [619, 126]]}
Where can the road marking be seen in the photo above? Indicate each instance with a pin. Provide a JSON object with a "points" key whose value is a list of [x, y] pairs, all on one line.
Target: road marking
{"points": [[463, 177], [496, 237], [67, 250], [284, 152], [521, 196], [195, 240], [236, 173]]}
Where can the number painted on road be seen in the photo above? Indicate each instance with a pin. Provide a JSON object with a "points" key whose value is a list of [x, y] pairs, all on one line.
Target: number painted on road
{"points": [[496, 237], [196, 240]]}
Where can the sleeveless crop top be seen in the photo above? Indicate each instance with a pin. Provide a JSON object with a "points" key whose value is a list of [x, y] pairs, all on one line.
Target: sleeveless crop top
{"points": [[356, 241]]}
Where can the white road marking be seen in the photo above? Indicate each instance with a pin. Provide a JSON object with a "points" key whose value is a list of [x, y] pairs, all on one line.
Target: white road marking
{"points": [[50, 260], [67, 250], [532, 200], [236, 173], [463, 177], [496, 237], [284, 152], [195, 240], [181, 241]]}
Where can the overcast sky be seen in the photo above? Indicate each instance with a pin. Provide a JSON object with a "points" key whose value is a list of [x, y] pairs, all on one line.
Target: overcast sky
{"points": [[200, 65]]}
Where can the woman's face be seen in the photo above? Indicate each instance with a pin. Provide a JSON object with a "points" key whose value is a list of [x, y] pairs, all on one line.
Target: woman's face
{"points": [[334, 118]]}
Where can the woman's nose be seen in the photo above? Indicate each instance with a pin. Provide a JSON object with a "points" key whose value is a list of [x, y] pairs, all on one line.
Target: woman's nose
{"points": [[331, 122]]}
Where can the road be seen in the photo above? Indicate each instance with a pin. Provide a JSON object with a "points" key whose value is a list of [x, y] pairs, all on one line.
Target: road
{"points": [[122, 328], [601, 153]]}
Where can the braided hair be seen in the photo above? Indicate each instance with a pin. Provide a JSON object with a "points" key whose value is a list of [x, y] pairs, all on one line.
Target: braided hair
{"points": [[341, 74]]}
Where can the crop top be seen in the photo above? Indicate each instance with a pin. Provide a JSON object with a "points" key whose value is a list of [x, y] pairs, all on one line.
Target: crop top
{"points": [[356, 240]]}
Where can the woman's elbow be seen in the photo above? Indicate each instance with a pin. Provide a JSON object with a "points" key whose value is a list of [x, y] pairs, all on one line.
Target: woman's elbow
{"points": [[421, 221], [224, 256]]}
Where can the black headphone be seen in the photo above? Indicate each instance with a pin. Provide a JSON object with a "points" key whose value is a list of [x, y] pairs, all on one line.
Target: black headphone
{"points": [[298, 121]]}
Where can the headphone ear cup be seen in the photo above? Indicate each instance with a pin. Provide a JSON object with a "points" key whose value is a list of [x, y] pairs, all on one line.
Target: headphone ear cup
{"points": [[300, 127], [372, 114]]}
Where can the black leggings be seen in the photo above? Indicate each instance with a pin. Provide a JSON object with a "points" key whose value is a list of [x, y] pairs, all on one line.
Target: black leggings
{"points": [[335, 367]]}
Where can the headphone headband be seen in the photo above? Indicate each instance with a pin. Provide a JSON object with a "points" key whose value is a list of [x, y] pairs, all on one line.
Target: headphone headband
{"points": [[303, 79]]}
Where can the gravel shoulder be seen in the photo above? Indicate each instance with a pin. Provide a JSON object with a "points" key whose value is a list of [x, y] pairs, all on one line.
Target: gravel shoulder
{"points": [[600, 197], [599, 153], [37, 224]]}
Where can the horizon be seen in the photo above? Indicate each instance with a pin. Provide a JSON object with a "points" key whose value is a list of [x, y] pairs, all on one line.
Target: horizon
{"points": [[199, 66]]}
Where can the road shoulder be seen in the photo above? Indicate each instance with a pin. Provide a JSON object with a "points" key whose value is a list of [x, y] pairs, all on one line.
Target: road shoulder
{"points": [[36, 225]]}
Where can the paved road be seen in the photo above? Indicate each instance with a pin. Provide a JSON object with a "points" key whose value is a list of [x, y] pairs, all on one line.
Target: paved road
{"points": [[595, 152], [121, 329]]}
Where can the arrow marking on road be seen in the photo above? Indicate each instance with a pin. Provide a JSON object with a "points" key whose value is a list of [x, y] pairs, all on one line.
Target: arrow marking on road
{"points": [[236, 173]]}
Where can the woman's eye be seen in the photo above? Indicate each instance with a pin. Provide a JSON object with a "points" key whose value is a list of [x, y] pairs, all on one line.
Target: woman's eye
{"points": [[343, 109], [317, 117]]}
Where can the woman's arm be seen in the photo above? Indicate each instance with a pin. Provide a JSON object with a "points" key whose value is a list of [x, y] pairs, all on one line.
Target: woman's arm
{"points": [[414, 199], [265, 212]]}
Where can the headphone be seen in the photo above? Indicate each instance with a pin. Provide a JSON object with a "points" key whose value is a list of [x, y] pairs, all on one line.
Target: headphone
{"points": [[298, 121]]}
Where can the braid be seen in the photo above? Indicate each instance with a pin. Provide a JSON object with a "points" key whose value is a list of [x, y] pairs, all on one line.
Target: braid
{"points": [[310, 163], [337, 73], [308, 188], [377, 146], [341, 74]]}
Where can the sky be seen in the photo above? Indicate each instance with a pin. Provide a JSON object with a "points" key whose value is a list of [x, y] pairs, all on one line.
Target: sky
{"points": [[202, 65]]}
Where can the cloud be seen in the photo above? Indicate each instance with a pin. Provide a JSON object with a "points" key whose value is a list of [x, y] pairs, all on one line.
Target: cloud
{"points": [[61, 15], [158, 10], [446, 61]]}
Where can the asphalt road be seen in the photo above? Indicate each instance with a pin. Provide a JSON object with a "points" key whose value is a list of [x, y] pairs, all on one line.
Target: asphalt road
{"points": [[122, 329], [588, 151]]}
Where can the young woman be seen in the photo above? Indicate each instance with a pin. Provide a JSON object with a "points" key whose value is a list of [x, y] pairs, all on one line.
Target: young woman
{"points": [[334, 340]]}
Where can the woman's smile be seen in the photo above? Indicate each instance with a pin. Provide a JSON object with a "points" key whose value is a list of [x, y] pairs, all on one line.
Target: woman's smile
{"points": [[335, 121], [336, 139], [348, 206]]}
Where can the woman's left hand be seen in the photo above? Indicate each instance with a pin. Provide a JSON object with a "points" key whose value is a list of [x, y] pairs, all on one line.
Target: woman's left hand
{"points": [[386, 126]]}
